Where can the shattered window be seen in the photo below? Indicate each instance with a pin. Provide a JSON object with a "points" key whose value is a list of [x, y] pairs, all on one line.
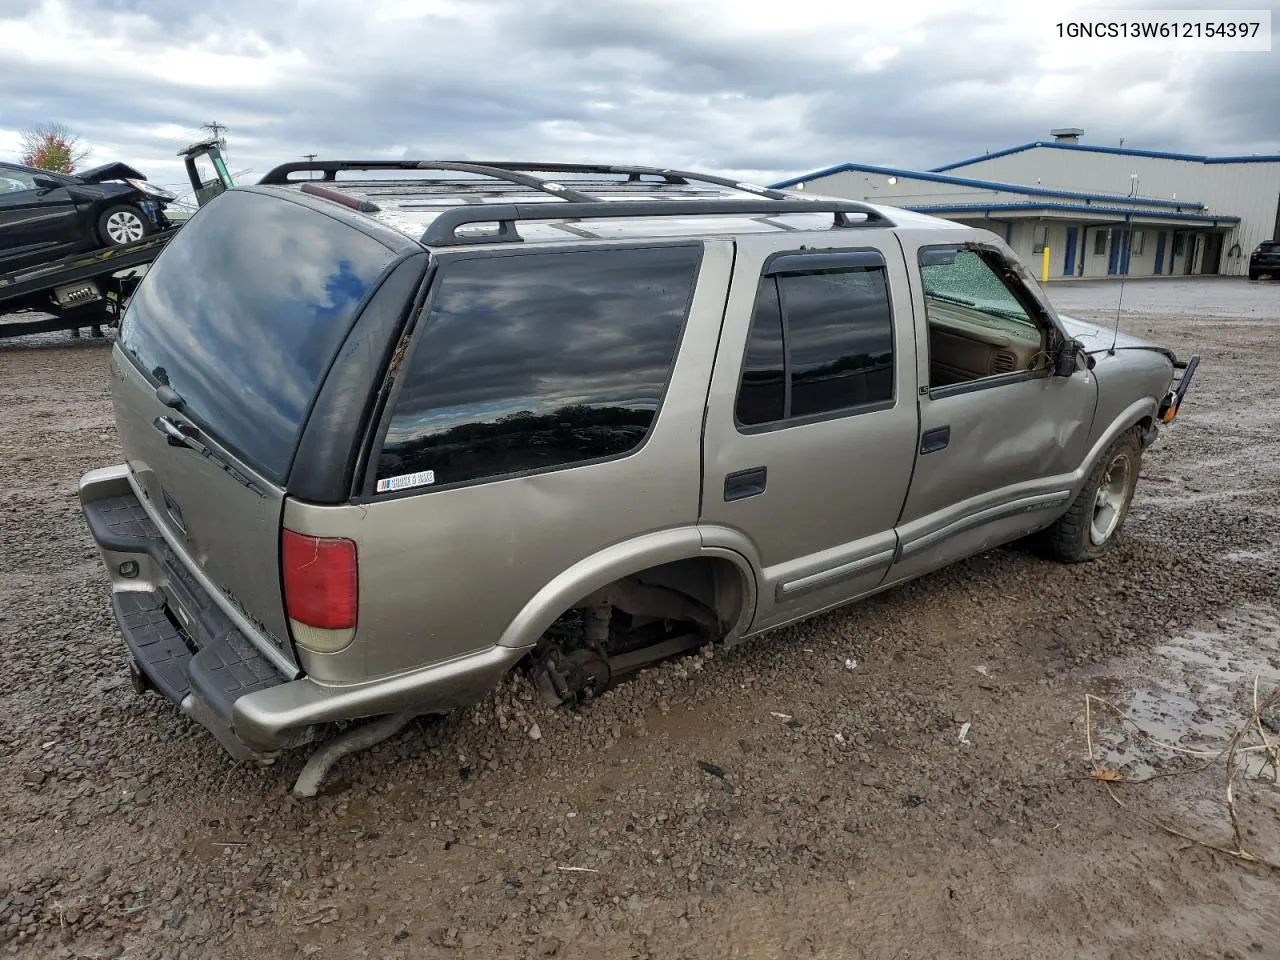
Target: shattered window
{"points": [[964, 279]]}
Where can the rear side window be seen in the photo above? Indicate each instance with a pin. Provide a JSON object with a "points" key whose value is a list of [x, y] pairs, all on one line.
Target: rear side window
{"points": [[821, 342], [536, 361], [243, 312]]}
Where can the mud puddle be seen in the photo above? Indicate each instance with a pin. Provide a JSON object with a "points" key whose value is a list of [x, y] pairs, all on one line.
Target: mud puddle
{"points": [[1195, 691]]}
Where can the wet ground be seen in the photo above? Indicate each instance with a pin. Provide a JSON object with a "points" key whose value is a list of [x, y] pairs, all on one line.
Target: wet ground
{"points": [[1191, 297], [836, 812]]}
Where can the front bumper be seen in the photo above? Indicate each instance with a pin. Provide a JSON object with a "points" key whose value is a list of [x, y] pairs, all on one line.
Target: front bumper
{"points": [[1184, 371], [187, 647]]}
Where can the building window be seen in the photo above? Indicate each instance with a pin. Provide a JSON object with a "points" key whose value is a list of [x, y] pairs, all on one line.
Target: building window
{"points": [[1039, 239], [821, 342], [1100, 243], [1179, 244], [1136, 244], [537, 362]]}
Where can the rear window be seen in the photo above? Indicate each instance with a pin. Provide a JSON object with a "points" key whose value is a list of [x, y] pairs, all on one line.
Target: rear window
{"points": [[537, 361], [244, 311]]}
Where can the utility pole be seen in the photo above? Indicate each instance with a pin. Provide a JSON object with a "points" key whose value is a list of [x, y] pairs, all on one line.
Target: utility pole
{"points": [[311, 157], [216, 128]]}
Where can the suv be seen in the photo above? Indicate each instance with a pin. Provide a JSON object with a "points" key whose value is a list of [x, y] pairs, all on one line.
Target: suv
{"points": [[1265, 259], [387, 439]]}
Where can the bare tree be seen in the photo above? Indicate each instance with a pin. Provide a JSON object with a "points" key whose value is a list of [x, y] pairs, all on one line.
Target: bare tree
{"points": [[52, 146]]}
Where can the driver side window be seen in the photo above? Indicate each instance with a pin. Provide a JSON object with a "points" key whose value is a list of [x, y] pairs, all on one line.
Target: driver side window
{"points": [[14, 181], [978, 329]]}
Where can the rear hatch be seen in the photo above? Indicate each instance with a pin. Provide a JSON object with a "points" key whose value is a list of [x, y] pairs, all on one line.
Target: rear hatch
{"points": [[220, 353]]}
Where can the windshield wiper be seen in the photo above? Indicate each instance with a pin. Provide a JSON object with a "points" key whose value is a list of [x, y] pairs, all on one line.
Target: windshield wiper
{"points": [[184, 435]]}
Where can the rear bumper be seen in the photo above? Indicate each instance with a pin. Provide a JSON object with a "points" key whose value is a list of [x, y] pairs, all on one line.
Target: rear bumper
{"points": [[192, 653]]}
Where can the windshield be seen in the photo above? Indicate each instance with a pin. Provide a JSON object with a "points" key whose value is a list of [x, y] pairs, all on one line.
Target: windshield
{"points": [[967, 281], [242, 314]]}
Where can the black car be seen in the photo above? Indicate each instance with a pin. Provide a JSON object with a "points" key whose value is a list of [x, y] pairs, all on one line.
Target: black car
{"points": [[1265, 260], [45, 215]]}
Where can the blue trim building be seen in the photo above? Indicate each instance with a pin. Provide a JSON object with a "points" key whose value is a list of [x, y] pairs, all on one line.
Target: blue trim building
{"points": [[1101, 211]]}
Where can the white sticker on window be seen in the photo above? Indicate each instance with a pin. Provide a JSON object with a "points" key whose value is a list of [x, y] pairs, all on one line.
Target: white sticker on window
{"points": [[406, 480]]}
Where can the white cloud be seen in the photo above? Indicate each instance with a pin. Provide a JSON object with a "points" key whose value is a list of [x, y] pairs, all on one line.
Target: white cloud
{"points": [[757, 90]]}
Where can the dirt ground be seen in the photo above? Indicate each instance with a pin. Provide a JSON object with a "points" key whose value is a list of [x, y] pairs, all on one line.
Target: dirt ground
{"points": [[836, 812]]}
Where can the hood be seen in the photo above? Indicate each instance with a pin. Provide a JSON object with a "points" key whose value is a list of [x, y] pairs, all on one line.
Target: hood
{"points": [[110, 171], [1097, 339]]}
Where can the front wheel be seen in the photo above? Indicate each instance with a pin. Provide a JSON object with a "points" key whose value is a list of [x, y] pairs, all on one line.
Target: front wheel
{"points": [[1087, 530], [122, 224], [1255, 275]]}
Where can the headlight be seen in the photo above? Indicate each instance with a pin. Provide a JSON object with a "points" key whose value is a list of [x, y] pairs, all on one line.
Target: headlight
{"points": [[151, 190]]}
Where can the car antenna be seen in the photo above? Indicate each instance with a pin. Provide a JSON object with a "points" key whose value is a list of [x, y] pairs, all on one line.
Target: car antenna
{"points": [[1124, 263]]}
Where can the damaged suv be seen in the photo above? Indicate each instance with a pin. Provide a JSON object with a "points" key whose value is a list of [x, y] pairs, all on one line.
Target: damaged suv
{"points": [[388, 439]]}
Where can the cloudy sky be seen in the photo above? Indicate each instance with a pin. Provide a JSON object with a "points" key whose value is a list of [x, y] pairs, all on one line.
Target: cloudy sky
{"points": [[754, 89]]}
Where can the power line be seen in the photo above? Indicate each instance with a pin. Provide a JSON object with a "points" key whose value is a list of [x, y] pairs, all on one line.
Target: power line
{"points": [[215, 128]]}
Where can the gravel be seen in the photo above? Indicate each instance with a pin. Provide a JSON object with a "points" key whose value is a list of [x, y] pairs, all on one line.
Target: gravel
{"points": [[760, 801]]}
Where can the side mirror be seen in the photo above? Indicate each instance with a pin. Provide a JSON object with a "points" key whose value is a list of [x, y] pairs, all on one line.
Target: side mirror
{"points": [[1073, 358], [44, 182]]}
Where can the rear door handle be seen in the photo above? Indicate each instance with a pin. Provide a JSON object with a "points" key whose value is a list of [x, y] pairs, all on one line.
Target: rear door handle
{"points": [[745, 483], [931, 441]]}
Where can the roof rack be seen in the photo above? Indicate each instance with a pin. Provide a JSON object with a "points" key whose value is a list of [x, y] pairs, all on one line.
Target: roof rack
{"points": [[580, 205], [330, 168], [511, 172], [442, 232], [634, 173]]}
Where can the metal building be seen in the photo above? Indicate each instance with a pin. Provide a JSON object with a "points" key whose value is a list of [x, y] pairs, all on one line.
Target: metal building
{"points": [[1099, 211]]}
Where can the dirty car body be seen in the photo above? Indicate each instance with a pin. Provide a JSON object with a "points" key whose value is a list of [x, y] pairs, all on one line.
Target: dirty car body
{"points": [[46, 215], [491, 421]]}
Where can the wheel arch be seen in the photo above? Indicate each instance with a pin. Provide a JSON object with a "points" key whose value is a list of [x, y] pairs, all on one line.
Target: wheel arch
{"points": [[675, 553], [1141, 413]]}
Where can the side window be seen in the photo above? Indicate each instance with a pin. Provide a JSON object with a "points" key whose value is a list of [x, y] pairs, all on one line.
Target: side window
{"points": [[762, 395], [14, 181], [1100, 242], [821, 342], [977, 326], [1039, 238], [536, 361]]}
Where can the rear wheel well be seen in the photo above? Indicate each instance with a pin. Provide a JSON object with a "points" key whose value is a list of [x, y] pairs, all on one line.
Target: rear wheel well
{"points": [[713, 582], [663, 611], [710, 591]]}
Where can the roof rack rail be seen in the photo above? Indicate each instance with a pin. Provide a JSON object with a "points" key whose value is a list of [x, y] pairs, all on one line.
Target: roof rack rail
{"points": [[634, 173], [280, 175], [442, 232]]}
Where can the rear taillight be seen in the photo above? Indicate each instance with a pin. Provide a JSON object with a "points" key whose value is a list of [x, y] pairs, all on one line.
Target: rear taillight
{"points": [[321, 590]]}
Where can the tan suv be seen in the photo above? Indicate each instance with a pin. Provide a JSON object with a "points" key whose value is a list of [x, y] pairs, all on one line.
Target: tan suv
{"points": [[389, 437]]}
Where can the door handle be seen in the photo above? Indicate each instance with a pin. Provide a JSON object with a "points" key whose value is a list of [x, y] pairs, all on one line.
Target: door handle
{"points": [[745, 483], [931, 441]]}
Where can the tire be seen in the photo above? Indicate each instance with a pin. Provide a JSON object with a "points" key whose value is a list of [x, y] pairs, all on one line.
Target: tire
{"points": [[1255, 275], [121, 224], [1093, 523]]}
